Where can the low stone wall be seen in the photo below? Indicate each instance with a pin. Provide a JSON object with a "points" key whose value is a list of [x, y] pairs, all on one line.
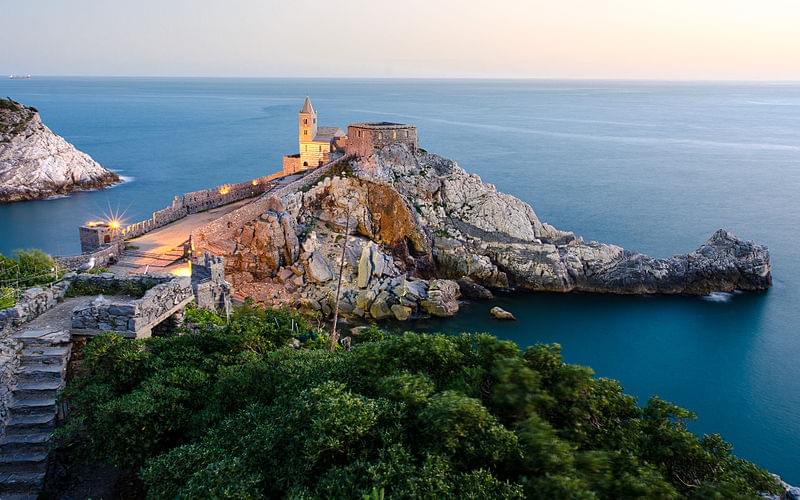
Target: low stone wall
{"points": [[221, 230], [103, 257], [34, 301], [132, 317], [199, 201]]}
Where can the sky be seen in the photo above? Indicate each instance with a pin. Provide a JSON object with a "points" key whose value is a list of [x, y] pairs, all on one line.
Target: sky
{"points": [[623, 39]]}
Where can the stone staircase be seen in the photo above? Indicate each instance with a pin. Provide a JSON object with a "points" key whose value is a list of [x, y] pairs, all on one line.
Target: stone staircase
{"points": [[32, 412]]}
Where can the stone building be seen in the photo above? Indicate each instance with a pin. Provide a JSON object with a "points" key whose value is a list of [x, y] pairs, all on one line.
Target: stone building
{"points": [[317, 143], [363, 139], [96, 234]]}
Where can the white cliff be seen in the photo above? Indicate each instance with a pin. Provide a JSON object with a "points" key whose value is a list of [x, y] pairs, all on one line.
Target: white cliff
{"points": [[36, 163]]}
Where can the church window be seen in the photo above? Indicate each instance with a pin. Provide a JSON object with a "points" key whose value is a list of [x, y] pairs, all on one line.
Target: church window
{"points": [[305, 163], [305, 132], [305, 121], [320, 147]]}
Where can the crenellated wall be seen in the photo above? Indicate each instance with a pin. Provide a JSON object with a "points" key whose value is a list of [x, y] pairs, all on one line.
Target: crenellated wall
{"points": [[363, 139]]}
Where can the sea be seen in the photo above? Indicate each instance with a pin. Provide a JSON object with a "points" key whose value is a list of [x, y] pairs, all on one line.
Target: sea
{"points": [[653, 166]]}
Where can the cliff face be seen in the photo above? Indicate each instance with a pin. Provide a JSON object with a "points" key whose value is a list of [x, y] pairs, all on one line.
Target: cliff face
{"points": [[35, 163], [421, 231]]}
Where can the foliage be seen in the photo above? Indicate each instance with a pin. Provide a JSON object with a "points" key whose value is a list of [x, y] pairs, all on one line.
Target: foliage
{"points": [[28, 268], [229, 411], [7, 297], [130, 288], [198, 316]]}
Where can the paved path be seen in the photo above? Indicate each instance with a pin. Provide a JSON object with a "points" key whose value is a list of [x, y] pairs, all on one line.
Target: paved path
{"points": [[32, 410], [161, 250]]}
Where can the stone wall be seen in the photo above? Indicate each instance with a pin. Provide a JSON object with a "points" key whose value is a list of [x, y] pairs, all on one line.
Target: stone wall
{"points": [[199, 201], [131, 317], [216, 236], [363, 139], [32, 303], [211, 291], [103, 257]]}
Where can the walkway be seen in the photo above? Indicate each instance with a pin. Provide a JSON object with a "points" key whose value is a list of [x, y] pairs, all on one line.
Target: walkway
{"points": [[32, 409], [161, 250]]}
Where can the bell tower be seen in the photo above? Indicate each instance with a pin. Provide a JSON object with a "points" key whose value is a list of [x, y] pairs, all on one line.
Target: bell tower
{"points": [[308, 123]]}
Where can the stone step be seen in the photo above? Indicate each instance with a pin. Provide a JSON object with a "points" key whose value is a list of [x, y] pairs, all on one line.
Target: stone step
{"points": [[43, 337], [23, 462], [21, 482], [40, 373], [37, 390], [30, 424], [43, 354], [32, 406], [24, 443]]}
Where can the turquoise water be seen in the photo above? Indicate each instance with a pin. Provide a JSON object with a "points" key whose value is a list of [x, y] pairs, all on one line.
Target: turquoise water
{"points": [[655, 167]]}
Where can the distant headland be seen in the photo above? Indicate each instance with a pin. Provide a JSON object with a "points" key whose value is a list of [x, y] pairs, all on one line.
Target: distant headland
{"points": [[36, 163]]}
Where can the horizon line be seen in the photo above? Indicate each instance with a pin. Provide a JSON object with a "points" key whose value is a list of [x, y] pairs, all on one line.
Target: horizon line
{"points": [[510, 78]]}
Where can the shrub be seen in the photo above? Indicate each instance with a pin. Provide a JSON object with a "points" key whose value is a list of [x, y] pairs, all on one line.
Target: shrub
{"points": [[229, 411]]}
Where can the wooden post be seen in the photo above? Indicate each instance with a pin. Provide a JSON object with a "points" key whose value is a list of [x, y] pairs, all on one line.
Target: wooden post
{"points": [[334, 334]]}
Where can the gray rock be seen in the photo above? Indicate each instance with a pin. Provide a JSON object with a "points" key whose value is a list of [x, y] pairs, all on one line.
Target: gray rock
{"points": [[471, 290], [500, 313], [401, 312], [319, 271], [442, 298]]}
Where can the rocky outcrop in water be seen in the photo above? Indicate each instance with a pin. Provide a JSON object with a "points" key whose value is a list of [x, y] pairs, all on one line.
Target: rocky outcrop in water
{"points": [[421, 231], [35, 163]]}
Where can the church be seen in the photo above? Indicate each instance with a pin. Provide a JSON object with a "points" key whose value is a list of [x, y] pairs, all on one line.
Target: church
{"points": [[317, 144]]}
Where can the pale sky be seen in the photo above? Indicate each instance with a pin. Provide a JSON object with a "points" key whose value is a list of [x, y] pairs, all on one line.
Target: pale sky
{"points": [[654, 39]]}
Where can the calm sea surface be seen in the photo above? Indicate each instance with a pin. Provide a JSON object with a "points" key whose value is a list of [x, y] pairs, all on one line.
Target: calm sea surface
{"points": [[655, 167]]}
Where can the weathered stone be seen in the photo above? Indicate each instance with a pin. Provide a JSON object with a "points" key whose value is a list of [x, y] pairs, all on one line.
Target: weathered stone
{"points": [[401, 312], [500, 313], [319, 270], [442, 298], [36, 163], [380, 307], [472, 290]]}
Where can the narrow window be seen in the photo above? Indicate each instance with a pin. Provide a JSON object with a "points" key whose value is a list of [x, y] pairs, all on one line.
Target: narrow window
{"points": [[394, 135], [305, 121], [305, 132], [380, 135]]}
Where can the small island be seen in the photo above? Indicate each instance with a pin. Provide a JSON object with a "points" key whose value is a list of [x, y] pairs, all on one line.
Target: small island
{"points": [[36, 163]]}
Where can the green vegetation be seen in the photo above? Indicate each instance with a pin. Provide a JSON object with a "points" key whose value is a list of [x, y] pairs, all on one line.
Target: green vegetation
{"points": [[7, 297], [14, 117], [228, 411], [28, 268], [135, 289]]}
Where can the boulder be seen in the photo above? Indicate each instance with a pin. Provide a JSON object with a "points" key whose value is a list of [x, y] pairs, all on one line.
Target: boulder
{"points": [[401, 312], [442, 298], [500, 313], [471, 290], [319, 271]]}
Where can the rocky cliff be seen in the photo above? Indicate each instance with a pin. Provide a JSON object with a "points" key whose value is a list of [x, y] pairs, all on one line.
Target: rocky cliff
{"points": [[35, 163], [418, 231]]}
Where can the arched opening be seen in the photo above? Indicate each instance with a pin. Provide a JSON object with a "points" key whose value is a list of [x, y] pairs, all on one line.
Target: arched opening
{"points": [[107, 239], [305, 163]]}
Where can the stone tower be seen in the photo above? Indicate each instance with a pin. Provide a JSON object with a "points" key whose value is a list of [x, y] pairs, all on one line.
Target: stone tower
{"points": [[308, 123]]}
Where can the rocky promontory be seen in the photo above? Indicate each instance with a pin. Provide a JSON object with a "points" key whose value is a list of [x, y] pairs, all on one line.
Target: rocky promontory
{"points": [[417, 232], [36, 163]]}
